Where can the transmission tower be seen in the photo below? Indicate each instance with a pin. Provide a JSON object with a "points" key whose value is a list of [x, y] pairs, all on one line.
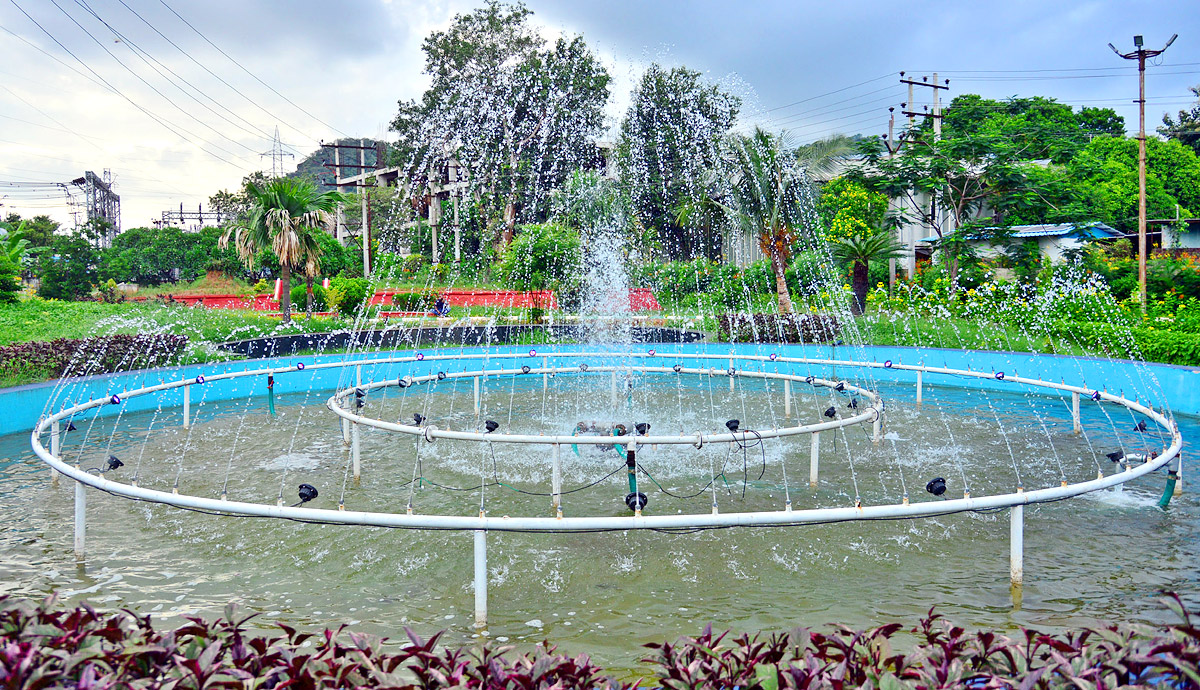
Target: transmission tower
{"points": [[276, 153]]}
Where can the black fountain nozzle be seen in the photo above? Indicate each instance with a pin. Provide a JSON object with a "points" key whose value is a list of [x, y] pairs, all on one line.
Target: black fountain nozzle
{"points": [[677, 368], [636, 501], [1096, 396], [419, 418], [841, 386], [643, 428], [359, 394], [936, 486], [113, 463], [71, 426], [1116, 456], [583, 367], [853, 404], [441, 376], [307, 493], [620, 430], [1141, 426], [524, 368], [831, 412], [733, 425], [490, 425]]}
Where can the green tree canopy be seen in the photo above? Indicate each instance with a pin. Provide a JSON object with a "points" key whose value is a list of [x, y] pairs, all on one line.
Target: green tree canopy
{"points": [[517, 112], [670, 146], [1185, 127]]}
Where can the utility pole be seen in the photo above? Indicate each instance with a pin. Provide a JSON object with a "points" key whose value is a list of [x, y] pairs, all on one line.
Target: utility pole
{"points": [[909, 109], [1140, 54]]}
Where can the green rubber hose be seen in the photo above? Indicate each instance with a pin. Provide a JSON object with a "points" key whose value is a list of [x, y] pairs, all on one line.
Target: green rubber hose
{"points": [[1169, 491]]}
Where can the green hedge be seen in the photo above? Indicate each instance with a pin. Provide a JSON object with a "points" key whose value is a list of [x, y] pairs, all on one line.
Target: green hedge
{"points": [[1150, 344]]}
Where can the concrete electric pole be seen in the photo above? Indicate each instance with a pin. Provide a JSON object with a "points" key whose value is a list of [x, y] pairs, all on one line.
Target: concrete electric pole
{"points": [[1140, 54]]}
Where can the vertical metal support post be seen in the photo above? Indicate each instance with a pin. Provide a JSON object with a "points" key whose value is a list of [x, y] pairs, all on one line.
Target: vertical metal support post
{"points": [[614, 389], [731, 378], [787, 397], [55, 448], [1075, 413], [476, 396], [815, 460], [920, 385], [187, 406], [876, 426], [480, 578], [545, 376], [354, 432], [556, 478], [1179, 475], [80, 520], [1016, 547]]}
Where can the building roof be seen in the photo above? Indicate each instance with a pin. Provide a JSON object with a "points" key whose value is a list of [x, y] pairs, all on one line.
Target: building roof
{"points": [[1084, 231]]}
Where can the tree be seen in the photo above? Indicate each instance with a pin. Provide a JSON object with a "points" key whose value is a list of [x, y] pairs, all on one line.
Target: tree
{"points": [[517, 113], [284, 216], [10, 285], [39, 230], [670, 143], [68, 270], [859, 251], [848, 209], [1185, 128], [13, 244], [235, 205], [767, 200]]}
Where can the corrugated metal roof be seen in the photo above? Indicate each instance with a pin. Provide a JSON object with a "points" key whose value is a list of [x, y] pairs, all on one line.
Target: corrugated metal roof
{"points": [[1087, 231]]}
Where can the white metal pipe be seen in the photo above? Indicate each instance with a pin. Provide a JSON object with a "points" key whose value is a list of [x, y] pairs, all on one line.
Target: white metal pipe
{"points": [[80, 520], [556, 475], [1075, 421], [481, 594], [731, 377], [55, 447], [614, 388], [814, 459], [787, 397], [920, 385], [876, 426], [545, 376], [476, 396], [187, 406], [1016, 547]]}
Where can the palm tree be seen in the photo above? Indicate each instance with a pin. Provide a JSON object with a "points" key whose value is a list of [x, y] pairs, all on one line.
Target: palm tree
{"points": [[769, 194], [859, 252], [284, 213]]}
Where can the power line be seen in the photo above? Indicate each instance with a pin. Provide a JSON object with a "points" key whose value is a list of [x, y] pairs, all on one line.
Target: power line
{"points": [[829, 93], [214, 74], [151, 86], [117, 91], [144, 54], [241, 67]]}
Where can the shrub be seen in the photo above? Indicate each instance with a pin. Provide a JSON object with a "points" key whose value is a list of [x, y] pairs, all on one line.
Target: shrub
{"points": [[351, 294], [262, 287], [49, 645], [300, 297], [89, 356], [543, 257], [10, 287], [419, 300], [68, 270], [778, 328]]}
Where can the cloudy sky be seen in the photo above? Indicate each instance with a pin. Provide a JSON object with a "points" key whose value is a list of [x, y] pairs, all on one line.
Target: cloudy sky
{"points": [[179, 97]]}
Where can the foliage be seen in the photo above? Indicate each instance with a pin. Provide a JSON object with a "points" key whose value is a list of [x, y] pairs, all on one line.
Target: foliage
{"points": [[848, 209], [416, 301], [234, 206], [347, 295], [39, 230], [90, 356], [859, 251], [10, 285], [543, 257], [590, 202], [520, 111], [767, 200], [778, 328], [1038, 127], [300, 296], [49, 645], [149, 256], [286, 216], [1185, 128], [13, 244], [68, 270], [669, 147]]}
